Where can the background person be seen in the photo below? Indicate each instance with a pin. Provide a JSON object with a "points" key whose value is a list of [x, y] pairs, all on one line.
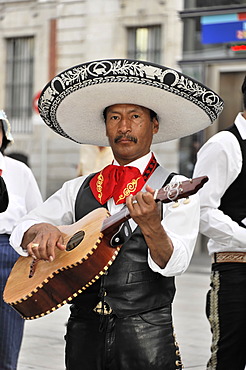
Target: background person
{"points": [[24, 195], [4, 198], [223, 221], [93, 158]]}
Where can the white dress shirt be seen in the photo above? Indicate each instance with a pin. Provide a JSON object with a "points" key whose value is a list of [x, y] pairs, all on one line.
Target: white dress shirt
{"points": [[220, 159], [23, 192], [180, 223]]}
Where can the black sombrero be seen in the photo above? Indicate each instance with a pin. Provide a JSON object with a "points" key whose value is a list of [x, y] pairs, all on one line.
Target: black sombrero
{"points": [[73, 102]]}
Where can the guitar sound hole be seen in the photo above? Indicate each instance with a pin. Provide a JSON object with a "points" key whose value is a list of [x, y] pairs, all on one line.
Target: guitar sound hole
{"points": [[75, 240]]}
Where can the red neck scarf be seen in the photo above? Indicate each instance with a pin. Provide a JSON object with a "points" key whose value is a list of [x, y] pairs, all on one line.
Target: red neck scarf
{"points": [[120, 181]]}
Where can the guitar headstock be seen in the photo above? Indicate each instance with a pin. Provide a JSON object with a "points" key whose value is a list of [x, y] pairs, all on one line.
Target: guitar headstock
{"points": [[178, 190]]}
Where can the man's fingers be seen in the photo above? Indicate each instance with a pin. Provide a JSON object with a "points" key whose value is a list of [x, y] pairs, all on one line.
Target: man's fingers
{"points": [[147, 197], [130, 202], [32, 249], [149, 189], [41, 240], [60, 244], [52, 244], [44, 248]]}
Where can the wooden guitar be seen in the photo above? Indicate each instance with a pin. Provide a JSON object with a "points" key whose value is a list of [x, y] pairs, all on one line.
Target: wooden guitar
{"points": [[36, 288]]}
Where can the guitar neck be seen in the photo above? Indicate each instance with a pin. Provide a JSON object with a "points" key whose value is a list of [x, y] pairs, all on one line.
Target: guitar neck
{"points": [[171, 192], [114, 221]]}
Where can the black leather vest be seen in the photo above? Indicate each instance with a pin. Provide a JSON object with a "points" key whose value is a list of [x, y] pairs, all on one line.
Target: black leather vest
{"points": [[130, 286], [233, 202]]}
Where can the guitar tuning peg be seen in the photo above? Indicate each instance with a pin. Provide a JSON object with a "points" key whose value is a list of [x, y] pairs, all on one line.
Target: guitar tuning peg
{"points": [[186, 201], [175, 204]]}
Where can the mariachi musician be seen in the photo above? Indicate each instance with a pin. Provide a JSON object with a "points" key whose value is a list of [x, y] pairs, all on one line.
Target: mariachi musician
{"points": [[124, 320]]}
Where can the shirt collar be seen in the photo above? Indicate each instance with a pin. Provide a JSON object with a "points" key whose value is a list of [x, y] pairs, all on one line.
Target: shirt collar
{"points": [[240, 122], [140, 163]]}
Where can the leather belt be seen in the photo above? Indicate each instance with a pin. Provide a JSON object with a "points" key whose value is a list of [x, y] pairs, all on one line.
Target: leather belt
{"points": [[222, 257]]}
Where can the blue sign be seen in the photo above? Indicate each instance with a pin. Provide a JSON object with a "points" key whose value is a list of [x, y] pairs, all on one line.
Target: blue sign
{"points": [[223, 28]]}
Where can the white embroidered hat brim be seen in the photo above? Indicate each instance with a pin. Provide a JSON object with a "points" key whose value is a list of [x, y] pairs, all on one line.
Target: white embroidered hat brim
{"points": [[73, 102]]}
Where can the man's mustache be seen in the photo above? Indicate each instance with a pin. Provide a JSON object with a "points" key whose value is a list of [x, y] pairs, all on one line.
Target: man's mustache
{"points": [[128, 137]]}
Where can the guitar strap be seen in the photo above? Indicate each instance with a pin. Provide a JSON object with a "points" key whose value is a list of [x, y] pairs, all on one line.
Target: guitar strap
{"points": [[158, 178]]}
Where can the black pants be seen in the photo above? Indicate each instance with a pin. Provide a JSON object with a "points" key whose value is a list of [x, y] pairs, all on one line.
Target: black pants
{"points": [[144, 341], [226, 311]]}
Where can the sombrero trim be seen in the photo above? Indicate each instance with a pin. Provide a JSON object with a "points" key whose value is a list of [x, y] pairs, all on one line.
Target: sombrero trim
{"points": [[127, 71]]}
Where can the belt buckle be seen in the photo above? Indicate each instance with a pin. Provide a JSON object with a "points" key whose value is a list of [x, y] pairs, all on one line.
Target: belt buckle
{"points": [[103, 308]]}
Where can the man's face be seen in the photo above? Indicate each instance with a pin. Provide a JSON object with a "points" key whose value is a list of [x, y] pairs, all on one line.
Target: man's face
{"points": [[130, 131]]}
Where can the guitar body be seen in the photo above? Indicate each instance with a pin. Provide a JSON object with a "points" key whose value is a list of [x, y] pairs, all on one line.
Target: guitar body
{"points": [[35, 287]]}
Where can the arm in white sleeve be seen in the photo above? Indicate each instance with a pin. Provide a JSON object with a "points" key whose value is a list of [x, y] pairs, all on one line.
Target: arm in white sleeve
{"points": [[33, 196], [181, 224], [57, 210], [221, 160]]}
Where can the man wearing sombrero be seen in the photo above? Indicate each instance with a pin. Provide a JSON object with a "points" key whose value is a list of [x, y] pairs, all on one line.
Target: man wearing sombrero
{"points": [[123, 321]]}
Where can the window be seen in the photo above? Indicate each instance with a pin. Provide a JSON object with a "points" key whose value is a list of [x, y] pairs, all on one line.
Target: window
{"points": [[144, 43], [19, 83], [211, 3], [192, 43]]}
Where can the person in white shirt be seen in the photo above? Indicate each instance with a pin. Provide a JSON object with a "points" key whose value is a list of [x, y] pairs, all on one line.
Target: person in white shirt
{"points": [[4, 198], [223, 221], [124, 319], [24, 195]]}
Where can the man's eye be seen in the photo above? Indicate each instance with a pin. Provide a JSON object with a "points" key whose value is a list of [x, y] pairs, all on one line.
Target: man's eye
{"points": [[135, 116], [114, 117]]}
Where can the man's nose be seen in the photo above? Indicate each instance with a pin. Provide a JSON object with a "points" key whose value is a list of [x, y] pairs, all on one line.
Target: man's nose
{"points": [[124, 125]]}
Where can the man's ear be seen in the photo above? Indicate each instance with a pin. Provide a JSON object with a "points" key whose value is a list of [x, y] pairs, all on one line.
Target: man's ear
{"points": [[155, 125]]}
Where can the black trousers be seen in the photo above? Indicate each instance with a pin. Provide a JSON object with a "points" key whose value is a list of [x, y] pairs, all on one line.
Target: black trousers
{"points": [[145, 341], [226, 311]]}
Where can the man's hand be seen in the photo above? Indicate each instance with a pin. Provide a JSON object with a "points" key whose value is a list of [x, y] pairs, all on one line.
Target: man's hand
{"points": [[145, 212], [40, 241]]}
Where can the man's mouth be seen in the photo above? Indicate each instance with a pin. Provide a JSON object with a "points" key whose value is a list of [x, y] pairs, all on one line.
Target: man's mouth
{"points": [[122, 138]]}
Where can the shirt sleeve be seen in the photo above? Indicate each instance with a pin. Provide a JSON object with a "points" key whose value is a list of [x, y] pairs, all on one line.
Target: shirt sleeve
{"points": [[57, 210], [33, 195], [181, 224], [221, 160]]}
